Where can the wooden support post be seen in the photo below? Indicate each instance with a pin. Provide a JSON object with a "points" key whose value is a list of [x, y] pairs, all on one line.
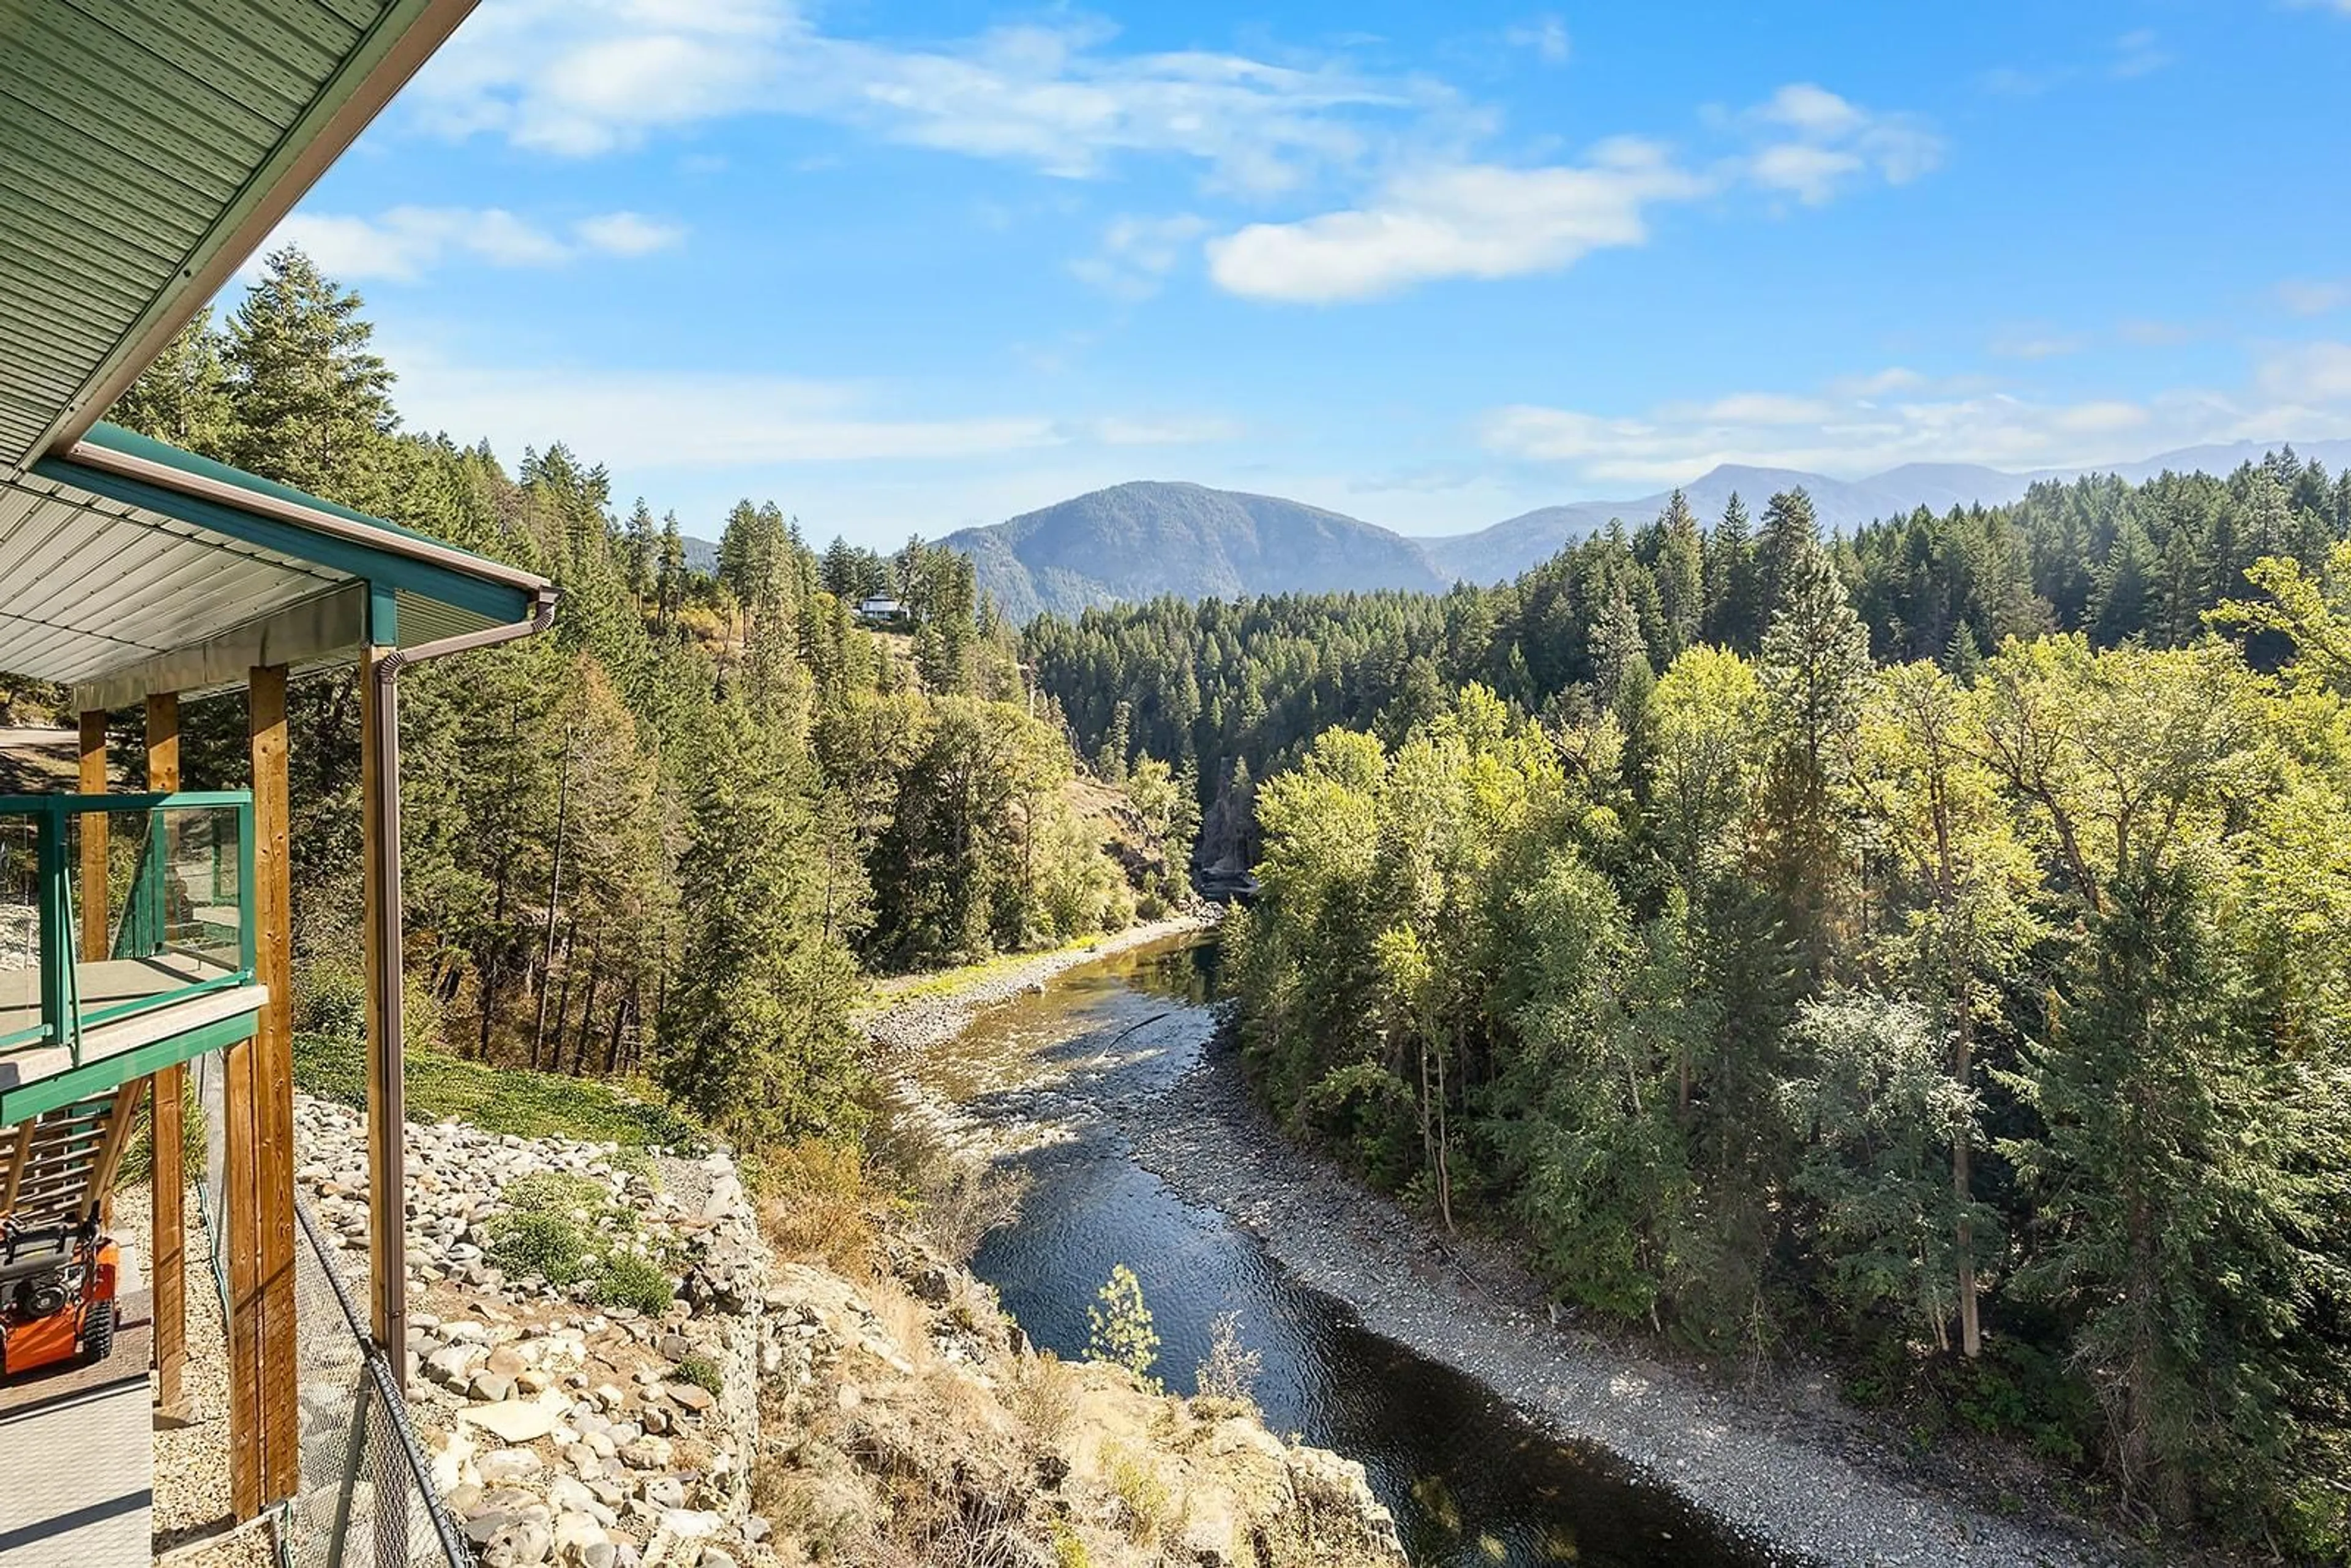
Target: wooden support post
{"points": [[258, 1106], [168, 1185], [387, 1173], [273, 1078], [94, 925]]}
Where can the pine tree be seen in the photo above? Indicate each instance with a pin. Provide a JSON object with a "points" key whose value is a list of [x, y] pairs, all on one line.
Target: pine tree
{"points": [[183, 396], [313, 401]]}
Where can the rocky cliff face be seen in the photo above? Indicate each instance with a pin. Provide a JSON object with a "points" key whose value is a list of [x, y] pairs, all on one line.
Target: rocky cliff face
{"points": [[774, 1412]]}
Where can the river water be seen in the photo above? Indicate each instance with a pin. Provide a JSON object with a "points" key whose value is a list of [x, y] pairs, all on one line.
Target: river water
{"points": [[1041, 1083]]}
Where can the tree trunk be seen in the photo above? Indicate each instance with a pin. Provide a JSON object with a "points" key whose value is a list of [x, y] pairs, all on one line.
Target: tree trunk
{"points": [[587, 1010], [554, 889]]}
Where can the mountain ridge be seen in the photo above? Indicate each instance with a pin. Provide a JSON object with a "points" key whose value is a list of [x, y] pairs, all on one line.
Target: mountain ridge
{"points": [[1145, 538]]}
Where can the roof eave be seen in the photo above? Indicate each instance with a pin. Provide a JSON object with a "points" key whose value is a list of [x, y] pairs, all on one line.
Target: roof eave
{"points": [[400, 40]]}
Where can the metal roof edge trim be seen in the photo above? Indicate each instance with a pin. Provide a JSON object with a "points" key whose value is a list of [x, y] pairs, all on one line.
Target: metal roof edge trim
{"points": [[310, 513], [397, 43]]}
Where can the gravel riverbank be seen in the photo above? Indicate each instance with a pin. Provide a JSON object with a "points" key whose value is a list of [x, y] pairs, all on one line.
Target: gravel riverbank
{"points": [[906, 1020], [1780, 1458], [1783, 1460]]}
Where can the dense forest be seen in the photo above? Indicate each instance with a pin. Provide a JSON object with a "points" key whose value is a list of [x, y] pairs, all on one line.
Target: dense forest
{"points": [[1925, 948], [1247, 684], [668, 835]]}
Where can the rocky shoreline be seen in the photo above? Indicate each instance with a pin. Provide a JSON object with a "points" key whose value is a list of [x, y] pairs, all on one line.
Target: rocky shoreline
{"points": [[1782, 1461]]}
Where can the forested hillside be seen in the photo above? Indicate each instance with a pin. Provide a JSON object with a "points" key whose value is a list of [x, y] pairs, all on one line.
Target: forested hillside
{"points": [[668, 835], [1241, 687], [1138, 540], [1924, 947]]}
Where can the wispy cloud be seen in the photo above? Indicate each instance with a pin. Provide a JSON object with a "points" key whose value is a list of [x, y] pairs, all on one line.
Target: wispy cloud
{"points": [[1819, 143], [577, 77], [1137, 254], [672, 420], [2314, 295], [2138, 53], [1854, 427], [1544, 36], [2037, 343], [402, 243]]}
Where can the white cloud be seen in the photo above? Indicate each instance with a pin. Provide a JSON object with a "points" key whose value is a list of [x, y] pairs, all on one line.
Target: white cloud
{"points": [[2308, 374], [627, 234], [402, 242], [1851, 431], [1822, 143], [2314, 295], [1466, 220], [576, 77], [1546, 36], [1137, 254]]}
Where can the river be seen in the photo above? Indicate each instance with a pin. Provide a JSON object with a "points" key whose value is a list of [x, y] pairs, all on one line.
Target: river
{"points": [[1045, 1083]]}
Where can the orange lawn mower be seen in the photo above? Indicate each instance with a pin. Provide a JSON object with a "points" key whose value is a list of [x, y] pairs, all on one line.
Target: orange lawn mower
{"points": [[57, 1294]]}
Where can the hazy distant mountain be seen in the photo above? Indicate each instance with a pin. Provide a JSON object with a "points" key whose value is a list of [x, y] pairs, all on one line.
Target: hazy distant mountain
{"points": [[1138, 540], [1146, 539], [1511, 547]]}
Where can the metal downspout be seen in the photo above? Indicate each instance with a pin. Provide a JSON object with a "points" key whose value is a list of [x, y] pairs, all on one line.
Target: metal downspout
{"points": [[387, 1167]]}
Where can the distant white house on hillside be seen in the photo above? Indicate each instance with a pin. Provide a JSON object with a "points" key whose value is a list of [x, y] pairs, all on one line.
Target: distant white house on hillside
{"points": [[881, 610]]}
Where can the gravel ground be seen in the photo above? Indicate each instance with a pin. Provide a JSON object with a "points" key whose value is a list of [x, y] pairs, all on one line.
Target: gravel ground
{"points": [[191, 1488], [1782, 1460], [915, 1023]]}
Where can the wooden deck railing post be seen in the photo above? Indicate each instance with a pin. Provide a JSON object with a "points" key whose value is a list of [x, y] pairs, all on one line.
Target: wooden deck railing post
{"points": [[169, 1184]]}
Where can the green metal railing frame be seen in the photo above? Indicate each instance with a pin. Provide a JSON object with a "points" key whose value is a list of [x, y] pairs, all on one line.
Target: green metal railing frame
{"points": [[62, 1019]]}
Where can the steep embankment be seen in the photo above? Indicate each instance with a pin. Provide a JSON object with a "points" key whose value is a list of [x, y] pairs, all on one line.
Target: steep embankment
{"points": [[611, 1366]]}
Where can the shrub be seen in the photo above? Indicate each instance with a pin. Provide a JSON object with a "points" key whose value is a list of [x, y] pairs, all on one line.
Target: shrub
{"points": [[816, 1202], [630, 1281], [702, 1372], [1120, 1327], [552, 1246], [1229, 1371]]}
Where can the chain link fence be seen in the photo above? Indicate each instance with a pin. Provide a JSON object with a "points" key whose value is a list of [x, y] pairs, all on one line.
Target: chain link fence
{"points": [[367, 1498]]}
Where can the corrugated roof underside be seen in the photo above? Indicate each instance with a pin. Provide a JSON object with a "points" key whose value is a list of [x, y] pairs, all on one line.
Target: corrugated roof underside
{"points": [[87, 585], [126, 129]]}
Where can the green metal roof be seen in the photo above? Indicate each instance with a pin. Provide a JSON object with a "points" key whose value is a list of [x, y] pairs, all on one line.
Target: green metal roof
{"points": [[147, 147]]}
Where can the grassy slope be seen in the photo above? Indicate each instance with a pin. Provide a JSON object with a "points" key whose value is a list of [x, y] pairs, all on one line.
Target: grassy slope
{"points": [[497, 1098]]}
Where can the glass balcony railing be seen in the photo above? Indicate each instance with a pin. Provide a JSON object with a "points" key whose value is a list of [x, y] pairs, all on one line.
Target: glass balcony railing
{"points": [[173, 920]]}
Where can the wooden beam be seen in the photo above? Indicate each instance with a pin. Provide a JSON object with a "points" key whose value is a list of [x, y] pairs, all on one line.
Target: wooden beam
{"points": [[380, 898], [94, 927], [271, 1084], [168, 1186]]}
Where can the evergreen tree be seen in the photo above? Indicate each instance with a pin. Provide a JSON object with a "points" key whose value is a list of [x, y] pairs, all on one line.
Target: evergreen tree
{"points": [[313, 399]]}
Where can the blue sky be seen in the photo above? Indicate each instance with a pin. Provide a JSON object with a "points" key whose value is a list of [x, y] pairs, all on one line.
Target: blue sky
{"points": [[907, 268]]}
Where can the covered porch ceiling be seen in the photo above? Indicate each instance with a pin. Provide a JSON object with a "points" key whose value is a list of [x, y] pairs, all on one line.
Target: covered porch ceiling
{"points": [[146, 151], [128, 566]]}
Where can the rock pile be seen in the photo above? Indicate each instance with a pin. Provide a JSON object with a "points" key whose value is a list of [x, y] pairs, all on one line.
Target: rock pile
{"points": [[563, 1429]]}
